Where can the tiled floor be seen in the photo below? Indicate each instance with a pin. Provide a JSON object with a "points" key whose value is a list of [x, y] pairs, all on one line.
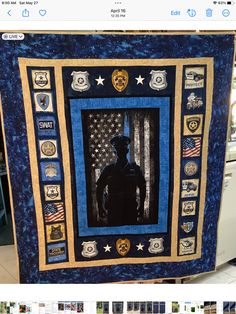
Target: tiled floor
{"points": [[8, 270]]}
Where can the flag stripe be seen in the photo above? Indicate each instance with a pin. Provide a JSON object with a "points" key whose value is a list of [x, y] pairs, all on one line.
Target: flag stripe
{"points": [[195, 151], [147, 164]]}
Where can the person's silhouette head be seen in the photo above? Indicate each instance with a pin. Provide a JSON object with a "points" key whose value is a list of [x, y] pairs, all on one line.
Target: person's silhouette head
{"points": [[120, 144]]}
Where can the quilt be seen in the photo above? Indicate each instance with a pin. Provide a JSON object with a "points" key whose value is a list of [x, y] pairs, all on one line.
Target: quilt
{"points": [[115, 148]]}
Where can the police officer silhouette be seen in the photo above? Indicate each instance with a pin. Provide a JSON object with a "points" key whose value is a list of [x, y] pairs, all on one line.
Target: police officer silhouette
{"points": [[117, 188]]}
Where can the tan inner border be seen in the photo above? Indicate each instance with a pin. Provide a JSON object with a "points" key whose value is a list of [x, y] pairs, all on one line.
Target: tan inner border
{"points": [[57, 65]]}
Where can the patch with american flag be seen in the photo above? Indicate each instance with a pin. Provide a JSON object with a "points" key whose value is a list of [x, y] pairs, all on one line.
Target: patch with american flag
{"points": [[141, 126], [54, 212], [192, 147]]}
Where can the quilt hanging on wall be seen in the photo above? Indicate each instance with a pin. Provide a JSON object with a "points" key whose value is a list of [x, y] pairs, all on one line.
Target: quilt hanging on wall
{"points": [[115, 146]]}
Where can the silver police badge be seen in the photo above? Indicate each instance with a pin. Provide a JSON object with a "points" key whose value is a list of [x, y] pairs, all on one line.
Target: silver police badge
{"points": [[187, 226], [41, 78], [156, 245], [89, 249], [158, 80], [80, 81]]}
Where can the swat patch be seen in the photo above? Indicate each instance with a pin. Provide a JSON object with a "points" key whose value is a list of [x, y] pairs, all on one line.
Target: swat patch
{"points": [[188, 208], [194, 77], [46, 126], [193, 124], [187, 246], [56, 252], [52, 192], [41, 79]]}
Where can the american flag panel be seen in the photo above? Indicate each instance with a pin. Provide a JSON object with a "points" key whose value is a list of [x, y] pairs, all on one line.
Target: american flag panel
{"points": [[141, 125], [54, 212], [191, 147]]}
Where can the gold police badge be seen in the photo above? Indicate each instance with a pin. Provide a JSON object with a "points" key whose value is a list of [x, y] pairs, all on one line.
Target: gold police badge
{"points": [[120, 79], [123, 246]]}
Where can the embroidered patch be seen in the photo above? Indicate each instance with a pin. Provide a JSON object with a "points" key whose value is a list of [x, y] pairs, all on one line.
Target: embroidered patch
{"points": [[50, 171], [188, 208], [48, 148], [187, 246], [56, 252], [191, 147], [190, 168], [120, 79], [123, 246], [53, 212], [194, 77], [41, 79], [193, 124], [46, 126], [194, 101], [156, 245], [43, 102], [80, 81], [190, 188], [55, 232], [89, 249], [158, 80], [187, 226], [52, 192]]}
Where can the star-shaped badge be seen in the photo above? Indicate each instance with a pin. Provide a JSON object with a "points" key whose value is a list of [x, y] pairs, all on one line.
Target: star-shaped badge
{"points": [[140, 79], [107, 248], [140, 247], [100, 80]]}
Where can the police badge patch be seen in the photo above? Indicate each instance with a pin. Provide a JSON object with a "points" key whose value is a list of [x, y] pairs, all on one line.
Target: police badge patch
{"points": [[48, 148], [190, 168], [50, 171], [80, 81], [193, 124], [89, 249], [120, 79], [52, 192], [156, 245], [123, 246], [41, 79], [190, 188], [187, 246], [188, 208], [43, 102], [55, 232], [158, 80], [187, 226], [194, 77]]}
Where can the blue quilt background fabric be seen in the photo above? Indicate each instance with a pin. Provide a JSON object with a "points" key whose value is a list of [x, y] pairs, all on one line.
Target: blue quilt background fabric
{"points": [[113, 46]]}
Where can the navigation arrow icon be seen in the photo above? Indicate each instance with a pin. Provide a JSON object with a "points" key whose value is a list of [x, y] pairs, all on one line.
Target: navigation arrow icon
{"points": [[9, 12]]}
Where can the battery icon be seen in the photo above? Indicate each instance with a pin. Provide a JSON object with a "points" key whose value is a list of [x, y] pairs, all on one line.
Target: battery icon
{"points": [[230, 2]]}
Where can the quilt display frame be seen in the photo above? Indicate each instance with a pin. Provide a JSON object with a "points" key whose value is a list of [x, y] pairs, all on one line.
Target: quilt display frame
{"points": [[177, 150]]}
